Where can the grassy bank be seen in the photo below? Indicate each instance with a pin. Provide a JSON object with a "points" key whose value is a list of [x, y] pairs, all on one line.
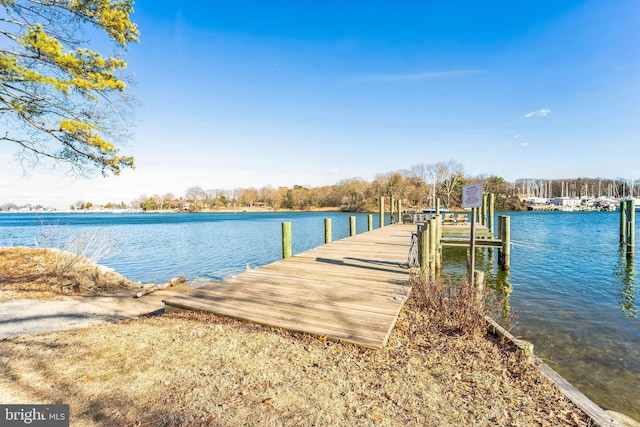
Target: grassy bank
{"points": [[197, 369], [46, 274]]}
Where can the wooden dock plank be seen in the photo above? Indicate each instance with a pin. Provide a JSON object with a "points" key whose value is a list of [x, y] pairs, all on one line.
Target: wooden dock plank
{"points": [[331, 322], [330, 276], [465, 230], [351, 289], [323, 313], [275, 286], [362, 302], [292, 322]]}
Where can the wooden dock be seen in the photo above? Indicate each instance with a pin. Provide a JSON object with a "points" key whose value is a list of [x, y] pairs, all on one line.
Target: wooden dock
{"points": [[459, 235], [350, 290]]}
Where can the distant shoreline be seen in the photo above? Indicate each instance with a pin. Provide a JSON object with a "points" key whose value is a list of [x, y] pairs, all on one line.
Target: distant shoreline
{"points": [[177, 211]]}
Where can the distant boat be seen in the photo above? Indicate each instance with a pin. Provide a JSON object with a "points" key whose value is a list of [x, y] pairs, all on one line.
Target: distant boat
{"points": [[606, 204], [609, 207], [433, 210]]}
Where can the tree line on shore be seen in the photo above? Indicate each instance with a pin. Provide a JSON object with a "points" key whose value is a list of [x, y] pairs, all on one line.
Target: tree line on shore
{"points": [[418, 187]]}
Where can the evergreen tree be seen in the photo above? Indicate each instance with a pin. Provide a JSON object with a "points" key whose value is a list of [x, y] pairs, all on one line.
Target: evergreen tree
{"points": [[58, 98]]}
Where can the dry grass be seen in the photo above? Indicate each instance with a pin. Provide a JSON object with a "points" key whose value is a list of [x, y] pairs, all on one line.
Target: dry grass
{"points": [[196, 369], [45, 274], [456, 308]]}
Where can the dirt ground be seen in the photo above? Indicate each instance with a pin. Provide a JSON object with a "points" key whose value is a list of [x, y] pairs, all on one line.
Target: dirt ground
{"points": [[115, 365], [29, 317], [37, 293]]}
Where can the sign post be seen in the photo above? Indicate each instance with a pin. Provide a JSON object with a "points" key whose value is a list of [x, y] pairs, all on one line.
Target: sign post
{"points": [[472, 198]]}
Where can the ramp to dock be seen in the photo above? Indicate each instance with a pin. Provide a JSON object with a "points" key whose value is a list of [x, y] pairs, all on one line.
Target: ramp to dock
{"points": [[350, 290]]}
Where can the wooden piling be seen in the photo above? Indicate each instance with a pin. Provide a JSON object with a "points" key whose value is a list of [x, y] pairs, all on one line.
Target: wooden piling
{"points": [[400, 211], [499, 234], [491, 202], [483, 210], [631, 227], [286, 239], [370, 222], [381, 211], [392, 203], [423, 250], [433, 245], [437, 206], [438, 242], [352, 225], [623, 221], [628, 226], [419, 230], [327, 230], [504, 257]]}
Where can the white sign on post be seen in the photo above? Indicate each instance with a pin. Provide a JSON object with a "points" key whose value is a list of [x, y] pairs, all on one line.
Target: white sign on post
{"points": [[472, 198], [472, 195]]}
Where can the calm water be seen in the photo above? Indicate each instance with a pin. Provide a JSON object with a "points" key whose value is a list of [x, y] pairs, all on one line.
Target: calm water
{"points": [[575, 296], [571, 291], [157, 247]]}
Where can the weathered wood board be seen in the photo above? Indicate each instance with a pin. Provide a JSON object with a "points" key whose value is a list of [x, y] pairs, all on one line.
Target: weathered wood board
{"points": [[351, 289]]}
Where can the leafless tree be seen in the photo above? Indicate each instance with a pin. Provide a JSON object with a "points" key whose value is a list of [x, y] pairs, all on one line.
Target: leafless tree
{"points": [[451, 173]]}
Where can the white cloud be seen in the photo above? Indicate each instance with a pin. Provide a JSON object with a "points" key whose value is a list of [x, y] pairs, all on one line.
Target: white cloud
{"points": [[524, 144], [538, 113], [517, 136]]}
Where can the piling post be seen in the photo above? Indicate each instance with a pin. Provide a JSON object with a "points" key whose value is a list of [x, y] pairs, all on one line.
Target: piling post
{"points": [[352, 225], [631, 227], [392, 203], [370, 222], [327, 230], [421, 262], [400, 211], [505, 255], [286, 239], [491, 202], [499, 236], [381, 211], [438, 242], [423, 250], [437, 206], [483, 210], [433, 249], [623, 221]]}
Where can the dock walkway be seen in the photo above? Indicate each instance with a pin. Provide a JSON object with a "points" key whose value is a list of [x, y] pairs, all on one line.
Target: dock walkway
{"points": [[351, 289]]}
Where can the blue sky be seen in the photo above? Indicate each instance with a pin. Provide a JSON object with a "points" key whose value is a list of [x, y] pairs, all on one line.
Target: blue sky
{"points": [[278, 93]]}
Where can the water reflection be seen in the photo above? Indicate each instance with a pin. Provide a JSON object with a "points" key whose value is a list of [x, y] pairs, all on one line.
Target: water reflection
{"points": [[626, 285], [503, 290], [498, 280]]}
